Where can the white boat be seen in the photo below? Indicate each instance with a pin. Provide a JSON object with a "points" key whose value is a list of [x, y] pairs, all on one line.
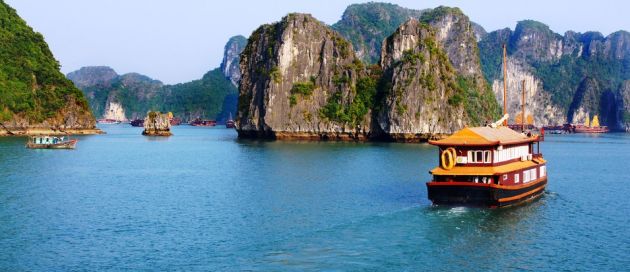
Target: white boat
{"points": [[51, 142]]}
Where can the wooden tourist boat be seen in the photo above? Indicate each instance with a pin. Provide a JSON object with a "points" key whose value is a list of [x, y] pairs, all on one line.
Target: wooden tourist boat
{"points": [[492, 166], [51, 142], [589, 126]]}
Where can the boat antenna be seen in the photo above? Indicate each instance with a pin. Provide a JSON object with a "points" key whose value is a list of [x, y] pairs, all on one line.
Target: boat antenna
{"points": [[504, 83], [523, 113]]}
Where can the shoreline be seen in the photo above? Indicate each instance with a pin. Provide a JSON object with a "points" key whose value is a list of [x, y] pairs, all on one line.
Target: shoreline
{"points": [[339, 137], [47, 131]]}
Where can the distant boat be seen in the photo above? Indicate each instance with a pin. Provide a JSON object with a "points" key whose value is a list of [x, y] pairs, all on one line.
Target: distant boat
{"points": [[588, 126], [555, 129], [175, 121], [108, 121], [51, 142], [137, 123], [203, 123], [230, 123]]}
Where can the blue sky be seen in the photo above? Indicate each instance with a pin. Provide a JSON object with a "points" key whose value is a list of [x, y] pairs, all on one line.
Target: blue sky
{"points": [[178, 41]]}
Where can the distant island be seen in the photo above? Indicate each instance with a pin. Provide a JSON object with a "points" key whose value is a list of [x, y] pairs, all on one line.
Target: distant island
{"points": [[35, 97], [382, 72], [131, 96]]}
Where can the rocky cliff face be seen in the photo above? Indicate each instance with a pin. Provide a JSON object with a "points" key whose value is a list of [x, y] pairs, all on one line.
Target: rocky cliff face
{"points": [[34, 95], [537, 100], [301, 80], [420, 103], [623, 111], [93, 76], [298, 80], [115, 111], [456, 34], [535, 40], [231, 58], [575, 74]]}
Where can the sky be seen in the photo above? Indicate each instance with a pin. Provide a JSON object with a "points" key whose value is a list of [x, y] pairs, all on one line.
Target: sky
{"points": [[179, 41]]}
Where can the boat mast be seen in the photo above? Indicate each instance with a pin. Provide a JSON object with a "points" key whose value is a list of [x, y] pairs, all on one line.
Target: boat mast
{"points": [[523, 113], [505, 83]]}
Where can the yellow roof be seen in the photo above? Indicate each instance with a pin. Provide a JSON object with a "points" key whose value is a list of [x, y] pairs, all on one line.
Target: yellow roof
{"points": [[486, 170], [480, 136]]}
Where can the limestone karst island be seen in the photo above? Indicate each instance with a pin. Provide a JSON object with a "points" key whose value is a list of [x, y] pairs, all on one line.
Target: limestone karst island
{"points": [[306, 136]]}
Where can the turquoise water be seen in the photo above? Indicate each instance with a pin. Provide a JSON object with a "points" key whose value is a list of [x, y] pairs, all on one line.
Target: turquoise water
{"points": [[204, 201]]}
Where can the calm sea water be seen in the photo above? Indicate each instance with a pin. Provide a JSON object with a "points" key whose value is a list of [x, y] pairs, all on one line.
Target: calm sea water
{"points": [[204, 200]]}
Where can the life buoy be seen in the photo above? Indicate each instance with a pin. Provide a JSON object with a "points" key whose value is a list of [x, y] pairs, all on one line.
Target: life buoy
{"points": [[448, 158]]}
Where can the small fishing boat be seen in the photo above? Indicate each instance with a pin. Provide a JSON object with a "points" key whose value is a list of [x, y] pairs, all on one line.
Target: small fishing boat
{"points": [[51, 142]]}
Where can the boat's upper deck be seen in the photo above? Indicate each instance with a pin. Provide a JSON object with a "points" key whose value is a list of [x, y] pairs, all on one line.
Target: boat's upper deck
{"points": [[485, 136], [487, 151]]}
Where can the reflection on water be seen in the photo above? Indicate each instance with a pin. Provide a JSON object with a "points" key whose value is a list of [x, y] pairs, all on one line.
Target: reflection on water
{"points": [[204, 200]]}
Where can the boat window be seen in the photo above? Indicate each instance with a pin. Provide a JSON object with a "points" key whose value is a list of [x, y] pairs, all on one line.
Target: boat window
{"points": [[479, 156], [526, 177], [505, 177], [533, 174], [543, 170], [516, 178]]}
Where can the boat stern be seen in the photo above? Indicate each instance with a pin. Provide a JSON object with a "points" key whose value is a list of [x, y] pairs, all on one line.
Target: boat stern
{"points": [[452, 194]]}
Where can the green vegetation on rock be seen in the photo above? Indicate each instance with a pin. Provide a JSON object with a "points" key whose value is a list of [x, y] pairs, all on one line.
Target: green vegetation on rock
{"points": [[31, 85], [439, 12], [367, 25], [479, 104], [301, 89], [365, 92]]}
